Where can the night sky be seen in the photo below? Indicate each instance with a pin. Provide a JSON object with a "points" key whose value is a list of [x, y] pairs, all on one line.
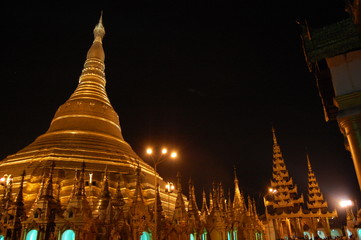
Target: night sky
{"points": [[207, 78]]}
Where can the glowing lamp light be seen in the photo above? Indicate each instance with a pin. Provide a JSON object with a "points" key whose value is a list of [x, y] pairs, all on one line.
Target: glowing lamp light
{"points": [[272, 190], [173, 155], [346, 203], [169, 187], [149, 151], [9, 179], [164, 151], [2, 179], [90, 178]]}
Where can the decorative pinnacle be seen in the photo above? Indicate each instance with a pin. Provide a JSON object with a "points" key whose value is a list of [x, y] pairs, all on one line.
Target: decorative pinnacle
{"points": [[308, 163], [235, 173], [99, 30], [274, 135]]}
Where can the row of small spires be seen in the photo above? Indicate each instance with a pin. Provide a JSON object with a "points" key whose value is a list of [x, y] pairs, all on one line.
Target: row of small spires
{"points": [[217, 199]]}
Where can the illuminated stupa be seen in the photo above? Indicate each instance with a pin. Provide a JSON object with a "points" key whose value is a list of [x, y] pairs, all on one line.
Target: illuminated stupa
{"points": [[85, 129], [81, 180]]}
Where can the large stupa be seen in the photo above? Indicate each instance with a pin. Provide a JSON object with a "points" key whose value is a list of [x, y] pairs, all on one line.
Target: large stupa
{"points": [[85, 129]]}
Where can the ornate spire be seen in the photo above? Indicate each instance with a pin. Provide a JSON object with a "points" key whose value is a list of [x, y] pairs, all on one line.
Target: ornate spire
{"points": [[17, 211], [78, 206], [229, 201], [118, 198], [315, 197], [286, 195], [75, 183], [215, 195], [20, 197], [192, 204], [92, 80], [49, 184], [180, 213], [104, 194], [222, 198], [179, 185], [250, 211], [80, 188], [118, 203], [88, 110], [160, 214], [238, 201], [138, 194], [204, 210], [210, 201]]}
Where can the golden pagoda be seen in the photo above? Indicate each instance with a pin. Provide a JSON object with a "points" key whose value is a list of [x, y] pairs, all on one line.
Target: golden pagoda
{"points": [[81, 180], [287, 214], [85, 129], [316, 200]]}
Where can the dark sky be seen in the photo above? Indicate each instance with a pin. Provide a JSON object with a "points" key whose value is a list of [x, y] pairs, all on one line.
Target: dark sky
{"points": [[208, 78]]}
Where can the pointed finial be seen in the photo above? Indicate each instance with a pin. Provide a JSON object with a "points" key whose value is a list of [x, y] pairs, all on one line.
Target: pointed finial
{"points": [[99, 30], [308, 162], [274, 135], [19, 198], [106, 172], [49, 183], [235, 173], [179, 184]]}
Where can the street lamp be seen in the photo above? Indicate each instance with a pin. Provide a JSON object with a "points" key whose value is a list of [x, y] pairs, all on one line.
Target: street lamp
{"points": [[157, 159], [350, 218], [267, 199], [272, 190], [169, 188]]}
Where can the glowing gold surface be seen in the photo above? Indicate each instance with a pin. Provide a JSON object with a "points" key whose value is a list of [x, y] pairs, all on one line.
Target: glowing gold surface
{"points": [[84, 129]]}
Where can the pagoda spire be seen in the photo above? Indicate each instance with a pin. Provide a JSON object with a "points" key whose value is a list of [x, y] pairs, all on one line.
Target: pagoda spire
{"points": [[118, 198], [222, 198], [238, 200], [180, 213], [105, 198], [229, 201], [88, 110], [20, 197], [210, 201], [80, 188], [204, 210], [160, 213], [250, 211], [192, 206], [49, 184], [138, 194], [78, 205], [18, 211], [92, 80], [315, 197], [286, 196], [118, 203]]}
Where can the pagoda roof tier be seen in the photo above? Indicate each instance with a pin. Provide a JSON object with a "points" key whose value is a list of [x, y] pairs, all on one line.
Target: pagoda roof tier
{"points": [[302, 213], [313, 185], [315, 197], [314, 191], [317, 205]]}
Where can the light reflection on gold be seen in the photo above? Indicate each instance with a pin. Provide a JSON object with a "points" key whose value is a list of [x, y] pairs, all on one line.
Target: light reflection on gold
{"points": [[86, 116]]}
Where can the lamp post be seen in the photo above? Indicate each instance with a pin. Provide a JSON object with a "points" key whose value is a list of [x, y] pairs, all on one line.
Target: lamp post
{"points": [[270, 195], [169, 188], [5, 181], [347, 205], [159, 158]]}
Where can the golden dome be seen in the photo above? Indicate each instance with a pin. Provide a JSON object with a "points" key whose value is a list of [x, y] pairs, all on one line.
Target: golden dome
{"points": [[85, 129]]}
